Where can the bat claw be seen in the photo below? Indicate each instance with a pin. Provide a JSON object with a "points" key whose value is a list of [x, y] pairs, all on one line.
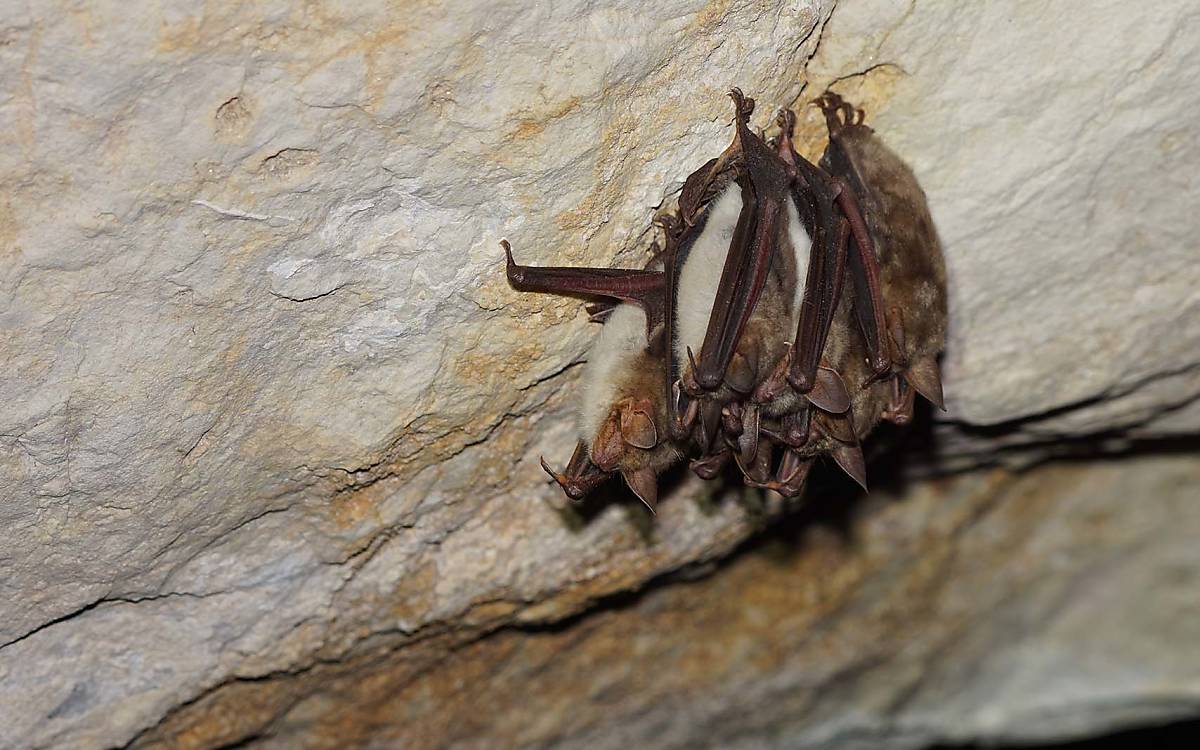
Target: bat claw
{"points": [[573, 491], [743, 105], [786, 119], [515, 273], [838, 113], [731, 419]]}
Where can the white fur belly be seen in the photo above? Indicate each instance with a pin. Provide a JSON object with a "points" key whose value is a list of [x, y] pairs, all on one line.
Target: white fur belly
{"points": [[801, 248], [701, 273], [621, 341]]}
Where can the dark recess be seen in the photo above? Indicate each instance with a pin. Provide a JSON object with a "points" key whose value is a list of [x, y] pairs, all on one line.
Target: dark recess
{"points": [[1183, 735]]}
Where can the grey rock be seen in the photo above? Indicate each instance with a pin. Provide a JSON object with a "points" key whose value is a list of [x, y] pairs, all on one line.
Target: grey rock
{"points": [[267, 399]]}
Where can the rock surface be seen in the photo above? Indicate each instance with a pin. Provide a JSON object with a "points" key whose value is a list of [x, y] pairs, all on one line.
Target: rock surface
{"points": [[989, 607], [269, 408]]}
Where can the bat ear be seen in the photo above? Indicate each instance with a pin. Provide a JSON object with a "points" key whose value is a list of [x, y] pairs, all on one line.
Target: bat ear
{"points": [[829, 392], [644, 484], [850, 459], [837, 426], [926, 378], [608, 446], [740, 376], [637, 428]]}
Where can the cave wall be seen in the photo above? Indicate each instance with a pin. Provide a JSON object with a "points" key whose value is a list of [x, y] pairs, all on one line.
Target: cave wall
{"points": [[269, 407]]}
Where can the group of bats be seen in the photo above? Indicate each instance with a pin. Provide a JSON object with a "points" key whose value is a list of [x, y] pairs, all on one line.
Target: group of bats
{"points": [[790, 309]]}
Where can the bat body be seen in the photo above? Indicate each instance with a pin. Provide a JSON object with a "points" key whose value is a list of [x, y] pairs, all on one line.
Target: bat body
{"points": [[796, 306], [622, 407], [912, 267]]}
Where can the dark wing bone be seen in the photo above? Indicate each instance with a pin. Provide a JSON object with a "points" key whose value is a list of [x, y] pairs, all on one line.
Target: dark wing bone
{"points": [[642, 288]]}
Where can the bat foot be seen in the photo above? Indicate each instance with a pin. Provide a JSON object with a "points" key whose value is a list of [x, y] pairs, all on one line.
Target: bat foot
{"points": [[598, 312], [838, 112], [743, 105]]}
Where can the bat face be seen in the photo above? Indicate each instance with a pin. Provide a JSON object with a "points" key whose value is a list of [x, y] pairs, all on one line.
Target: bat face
{"points": [[622, 415], [796, 306]]}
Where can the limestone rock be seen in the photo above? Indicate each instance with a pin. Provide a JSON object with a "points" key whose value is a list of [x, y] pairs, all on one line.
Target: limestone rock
{"points": [[269, 406], [991, 607]]}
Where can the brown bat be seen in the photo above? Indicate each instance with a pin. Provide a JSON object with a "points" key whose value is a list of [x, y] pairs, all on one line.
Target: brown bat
{"points": [[912, 279], [747, 222], [912, 267]]}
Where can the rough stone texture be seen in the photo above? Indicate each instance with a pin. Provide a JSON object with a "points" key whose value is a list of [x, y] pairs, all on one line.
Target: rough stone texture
{"points": [[269, 408], [990, 607]]}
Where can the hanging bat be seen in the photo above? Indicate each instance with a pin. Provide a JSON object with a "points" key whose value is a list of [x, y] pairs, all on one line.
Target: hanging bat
{"points": [[912, 283], [622, 417], [790, 215], [912, 267], [729, 287]]}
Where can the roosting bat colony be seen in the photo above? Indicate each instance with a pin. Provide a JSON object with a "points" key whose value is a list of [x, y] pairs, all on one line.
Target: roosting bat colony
{"points": [[717, 353]]}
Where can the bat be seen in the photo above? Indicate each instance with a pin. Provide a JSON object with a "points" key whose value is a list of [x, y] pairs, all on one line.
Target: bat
{"points": [[729, 288], [912, 266], [911, 275], [621, 409]]}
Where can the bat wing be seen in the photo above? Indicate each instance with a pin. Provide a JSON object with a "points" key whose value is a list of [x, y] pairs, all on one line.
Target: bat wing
{"points": [[643, 288]]}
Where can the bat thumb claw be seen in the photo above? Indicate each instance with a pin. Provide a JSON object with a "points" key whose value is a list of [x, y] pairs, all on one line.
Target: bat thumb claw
{"points": [[574, 492]]}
